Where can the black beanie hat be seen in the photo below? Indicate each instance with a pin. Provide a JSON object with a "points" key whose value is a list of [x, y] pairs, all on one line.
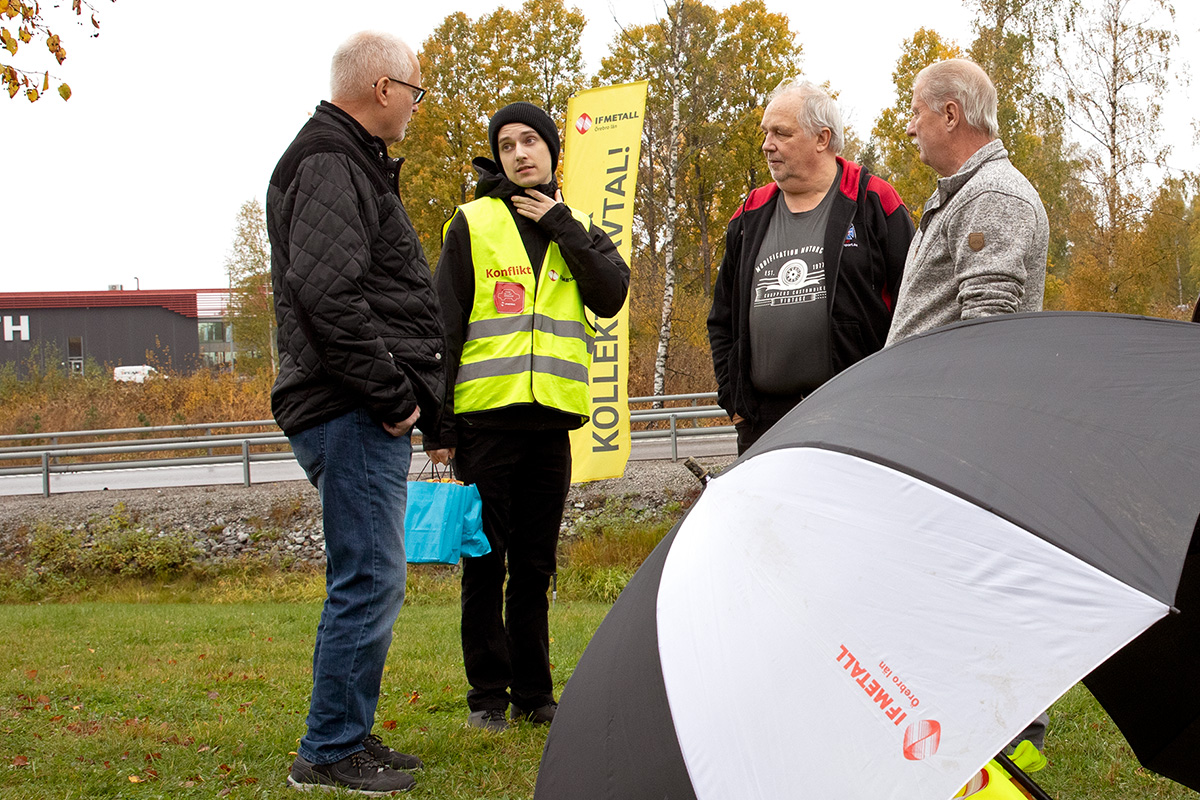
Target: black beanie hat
{"points": [[530, 115]]}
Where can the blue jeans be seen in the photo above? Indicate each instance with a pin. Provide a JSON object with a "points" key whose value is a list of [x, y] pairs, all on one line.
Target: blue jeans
{"points": [[361, 473]]}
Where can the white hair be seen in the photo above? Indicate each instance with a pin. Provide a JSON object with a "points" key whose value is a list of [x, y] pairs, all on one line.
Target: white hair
{"points": [[965, 83], [817, 110], [366, 57]]}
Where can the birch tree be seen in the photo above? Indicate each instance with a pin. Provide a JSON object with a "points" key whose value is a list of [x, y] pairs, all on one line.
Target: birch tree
{"points": [[1115, 65], [709, 73]]}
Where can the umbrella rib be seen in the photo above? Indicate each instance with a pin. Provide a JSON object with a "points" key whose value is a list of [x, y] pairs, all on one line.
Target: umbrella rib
{"points": [[1018, 774]]}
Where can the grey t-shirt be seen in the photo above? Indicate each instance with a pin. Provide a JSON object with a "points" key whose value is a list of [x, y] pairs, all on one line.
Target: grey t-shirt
{"points": [[789, 315]]}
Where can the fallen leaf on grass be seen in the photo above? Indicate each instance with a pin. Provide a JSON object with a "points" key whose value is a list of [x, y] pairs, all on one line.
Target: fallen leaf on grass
{"points": [[88, 728], [20, 761], [413, 698], [31, 674], [136, 779], [389, 725]]}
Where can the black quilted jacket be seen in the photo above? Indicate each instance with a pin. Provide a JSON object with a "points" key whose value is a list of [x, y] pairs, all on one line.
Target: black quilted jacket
{"points": [[359, 322]]}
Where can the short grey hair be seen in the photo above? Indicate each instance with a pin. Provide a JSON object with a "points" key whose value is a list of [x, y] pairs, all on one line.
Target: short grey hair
{"points": [[965, 83], [366, 57], [817, 110]]}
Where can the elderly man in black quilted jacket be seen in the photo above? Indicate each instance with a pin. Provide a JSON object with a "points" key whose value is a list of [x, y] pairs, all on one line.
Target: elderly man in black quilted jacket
{"points": [[360, 350]]}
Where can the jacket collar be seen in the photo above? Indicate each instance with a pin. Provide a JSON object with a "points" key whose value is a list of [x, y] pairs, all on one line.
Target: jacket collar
{"points": [[847, 188], [947, 187], [493, 183], [330, 114]]}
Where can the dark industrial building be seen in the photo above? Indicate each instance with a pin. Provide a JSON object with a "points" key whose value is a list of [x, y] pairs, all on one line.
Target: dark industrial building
{"points": [[183, 329]]}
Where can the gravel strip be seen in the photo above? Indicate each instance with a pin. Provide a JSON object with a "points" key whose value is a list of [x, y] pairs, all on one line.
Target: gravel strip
{"points": [[283, 520]]}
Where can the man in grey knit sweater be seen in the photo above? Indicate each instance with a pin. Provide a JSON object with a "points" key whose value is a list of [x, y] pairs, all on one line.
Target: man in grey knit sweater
{"points": [[981, 246]]}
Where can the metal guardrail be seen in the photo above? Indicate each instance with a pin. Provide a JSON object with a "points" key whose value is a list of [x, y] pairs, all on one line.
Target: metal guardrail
{"points": [[49, 454], [208, 427]]}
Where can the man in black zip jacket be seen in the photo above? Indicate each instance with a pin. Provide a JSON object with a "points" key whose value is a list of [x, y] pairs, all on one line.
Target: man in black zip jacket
{"points": [[812, 265], [360, 350]]}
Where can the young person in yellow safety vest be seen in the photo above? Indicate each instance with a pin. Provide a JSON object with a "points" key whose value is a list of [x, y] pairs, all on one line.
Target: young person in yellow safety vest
{"points": [[994, 783], [517, 270]]}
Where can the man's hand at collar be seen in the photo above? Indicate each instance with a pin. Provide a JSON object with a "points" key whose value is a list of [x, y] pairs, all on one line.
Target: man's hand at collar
{"points": [[534, 205]]}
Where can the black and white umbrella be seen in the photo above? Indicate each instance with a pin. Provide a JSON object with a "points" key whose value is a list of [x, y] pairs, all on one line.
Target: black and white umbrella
{"points": [[906, 570]]}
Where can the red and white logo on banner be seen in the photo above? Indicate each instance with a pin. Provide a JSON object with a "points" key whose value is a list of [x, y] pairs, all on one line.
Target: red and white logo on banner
{"points": [[922, 739], [509, 297], [583, 124]]}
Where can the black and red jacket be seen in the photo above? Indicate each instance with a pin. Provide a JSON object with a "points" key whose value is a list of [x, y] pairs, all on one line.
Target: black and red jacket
{"points": [[863, 270]]}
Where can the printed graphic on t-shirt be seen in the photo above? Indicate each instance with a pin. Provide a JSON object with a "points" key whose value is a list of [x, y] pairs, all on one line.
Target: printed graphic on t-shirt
{"points": [[790, 276]]}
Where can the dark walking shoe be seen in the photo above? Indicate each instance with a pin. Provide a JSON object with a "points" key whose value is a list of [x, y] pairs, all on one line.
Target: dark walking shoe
{"points": [[389, 757], [542, 715], [358, 772], [489, 719]]}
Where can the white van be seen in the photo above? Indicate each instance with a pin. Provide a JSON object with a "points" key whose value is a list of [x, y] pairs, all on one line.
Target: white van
{"points": [[136, 374]]}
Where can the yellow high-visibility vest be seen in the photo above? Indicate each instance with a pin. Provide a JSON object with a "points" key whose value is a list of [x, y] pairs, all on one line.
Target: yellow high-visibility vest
{"points": [[527, 341]]}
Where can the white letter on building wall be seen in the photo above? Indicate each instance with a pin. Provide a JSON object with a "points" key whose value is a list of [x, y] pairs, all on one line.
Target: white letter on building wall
{"points": [[10, 329]]}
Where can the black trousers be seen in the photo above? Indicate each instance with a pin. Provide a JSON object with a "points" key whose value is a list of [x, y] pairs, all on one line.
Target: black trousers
{"points": [[523, 477]]}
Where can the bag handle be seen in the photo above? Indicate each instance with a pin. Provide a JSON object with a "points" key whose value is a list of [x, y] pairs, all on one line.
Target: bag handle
{"points": [[438, 473]]}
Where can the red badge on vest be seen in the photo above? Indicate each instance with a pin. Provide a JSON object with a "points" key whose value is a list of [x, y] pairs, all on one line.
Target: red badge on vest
{"points": [[509, 298]]}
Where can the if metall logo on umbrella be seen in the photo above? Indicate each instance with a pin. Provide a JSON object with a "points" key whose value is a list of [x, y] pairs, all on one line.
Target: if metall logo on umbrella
{"points": [[921, 739]]}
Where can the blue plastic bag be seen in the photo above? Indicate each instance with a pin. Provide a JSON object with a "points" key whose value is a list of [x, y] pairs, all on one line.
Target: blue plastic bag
{"points": [[443, 522]]}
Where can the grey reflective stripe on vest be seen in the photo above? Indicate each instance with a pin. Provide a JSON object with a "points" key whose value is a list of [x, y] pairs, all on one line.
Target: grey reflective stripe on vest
{"points": [[499, 326], [524, 323], [567, 329], [515, 365]]}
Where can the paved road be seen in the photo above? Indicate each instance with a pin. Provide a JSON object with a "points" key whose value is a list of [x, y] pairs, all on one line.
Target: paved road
{"points": [[273, 471]]}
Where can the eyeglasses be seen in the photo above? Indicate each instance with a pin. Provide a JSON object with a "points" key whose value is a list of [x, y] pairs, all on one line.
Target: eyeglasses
{"points": [[418, 92]]}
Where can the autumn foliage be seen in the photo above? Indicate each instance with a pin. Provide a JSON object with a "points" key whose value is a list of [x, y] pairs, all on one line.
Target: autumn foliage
{"points": [[46, 399], [20, 24]]}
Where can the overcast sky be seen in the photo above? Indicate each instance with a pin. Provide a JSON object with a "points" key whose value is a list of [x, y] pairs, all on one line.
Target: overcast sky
{"points": [[178, 117]]}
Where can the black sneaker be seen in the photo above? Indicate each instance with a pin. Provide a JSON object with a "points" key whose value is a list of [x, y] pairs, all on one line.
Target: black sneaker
{"points": [[389, 757], [542, 715], [488, 719], [358, 772]]}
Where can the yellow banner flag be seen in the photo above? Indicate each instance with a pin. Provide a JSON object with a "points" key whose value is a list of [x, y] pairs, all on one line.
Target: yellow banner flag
{"points": [[602, 146]]}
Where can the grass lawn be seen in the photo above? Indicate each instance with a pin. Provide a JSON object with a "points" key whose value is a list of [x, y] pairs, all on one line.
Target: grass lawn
{"points": [[207, 699], [175, 700]]}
